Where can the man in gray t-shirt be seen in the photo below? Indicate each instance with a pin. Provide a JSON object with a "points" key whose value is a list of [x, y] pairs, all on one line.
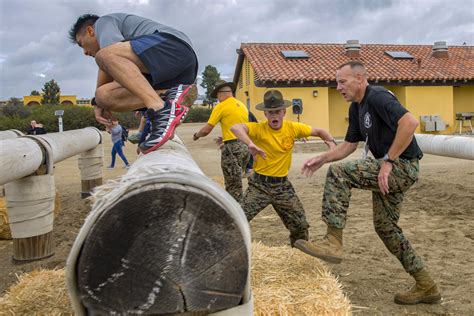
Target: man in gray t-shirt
{"points": [[142, 65]]}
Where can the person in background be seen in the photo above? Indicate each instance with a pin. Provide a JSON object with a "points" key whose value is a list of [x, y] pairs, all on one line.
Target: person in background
{"points": [[378, 118], [115, 129], [234, 154], [35, 129]]}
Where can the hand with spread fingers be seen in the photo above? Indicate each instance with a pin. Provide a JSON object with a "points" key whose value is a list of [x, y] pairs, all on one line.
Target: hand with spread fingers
{"points": [[312, 165]]}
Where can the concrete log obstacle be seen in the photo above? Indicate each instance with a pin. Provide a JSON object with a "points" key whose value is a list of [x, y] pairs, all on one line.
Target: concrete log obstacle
{"points": [[11, 133], [448, 146], [27, 175], [164, 239]]}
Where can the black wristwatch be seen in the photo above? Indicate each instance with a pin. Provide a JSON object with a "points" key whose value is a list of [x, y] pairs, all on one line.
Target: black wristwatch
{"points": [[387, 158]]}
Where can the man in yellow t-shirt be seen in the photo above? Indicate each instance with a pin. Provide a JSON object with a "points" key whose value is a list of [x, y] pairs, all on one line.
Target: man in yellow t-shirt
{"points": [[235, 154], [271, 144]]}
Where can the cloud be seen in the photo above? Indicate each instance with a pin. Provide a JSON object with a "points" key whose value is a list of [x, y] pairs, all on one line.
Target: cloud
{"points": [[34, 33]]}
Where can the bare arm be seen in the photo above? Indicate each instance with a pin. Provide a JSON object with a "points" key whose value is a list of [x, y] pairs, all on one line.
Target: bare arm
{"points": [[407, 125], [325, 136], [339, 152], [241, 131], [204, 131], [405, 131]]}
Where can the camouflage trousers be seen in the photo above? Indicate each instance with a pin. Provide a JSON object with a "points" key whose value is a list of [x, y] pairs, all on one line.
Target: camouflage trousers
{"points": [[283, 198], [363, 174], [234, 158]]}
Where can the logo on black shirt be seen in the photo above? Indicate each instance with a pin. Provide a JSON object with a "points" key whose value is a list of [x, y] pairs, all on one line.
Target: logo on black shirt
{"points": [[367, 120]]}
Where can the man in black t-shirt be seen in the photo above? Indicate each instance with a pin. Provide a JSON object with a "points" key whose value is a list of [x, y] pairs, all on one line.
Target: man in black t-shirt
{"points": [[387, 128]]}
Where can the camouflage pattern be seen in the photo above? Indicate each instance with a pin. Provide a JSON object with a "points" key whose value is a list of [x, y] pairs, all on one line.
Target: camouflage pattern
{"points": [[234, 158], [363, 174], [283, 198]]}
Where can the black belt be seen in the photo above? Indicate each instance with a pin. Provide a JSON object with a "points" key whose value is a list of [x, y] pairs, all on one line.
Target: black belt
{"points": [[231, 141], [269, 179]]}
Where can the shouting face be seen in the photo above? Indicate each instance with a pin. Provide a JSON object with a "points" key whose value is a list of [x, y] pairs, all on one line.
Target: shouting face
{"points": [[275, 118]]}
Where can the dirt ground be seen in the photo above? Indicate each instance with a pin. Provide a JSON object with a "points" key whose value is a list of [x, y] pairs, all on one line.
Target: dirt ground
{"points": [[437, 217]]}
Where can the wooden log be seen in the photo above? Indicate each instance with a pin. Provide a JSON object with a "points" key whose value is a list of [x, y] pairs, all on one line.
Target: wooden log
{"points": [[87, 186], [30, 206], [165, 240], [33, 248]]}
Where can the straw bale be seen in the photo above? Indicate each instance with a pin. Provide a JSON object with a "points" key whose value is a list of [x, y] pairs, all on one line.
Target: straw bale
{"points": [[41, 292], [286, 281], [219, 180], [5, 232]]}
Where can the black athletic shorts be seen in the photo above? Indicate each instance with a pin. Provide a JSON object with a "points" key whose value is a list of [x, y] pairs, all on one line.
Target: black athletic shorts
{"points": [[169, 60]]}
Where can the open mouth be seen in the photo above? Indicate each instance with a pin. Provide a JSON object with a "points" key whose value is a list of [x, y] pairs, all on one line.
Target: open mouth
{"points": [[274, 121]]}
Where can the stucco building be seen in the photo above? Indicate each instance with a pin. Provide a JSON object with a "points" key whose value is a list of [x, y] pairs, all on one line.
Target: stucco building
{"points": [[434, 82]]}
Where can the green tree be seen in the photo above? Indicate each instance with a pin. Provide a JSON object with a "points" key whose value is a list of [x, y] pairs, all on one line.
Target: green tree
{"points": [[34, 92], [14, 102], [209, 78], [50, 93]]}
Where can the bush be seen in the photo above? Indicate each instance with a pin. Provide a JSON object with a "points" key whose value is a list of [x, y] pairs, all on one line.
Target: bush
{"points": [[75, 117], [198, 115]]}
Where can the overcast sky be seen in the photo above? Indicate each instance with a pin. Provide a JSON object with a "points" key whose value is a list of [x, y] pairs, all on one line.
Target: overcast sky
{"points": [[34, 47]]}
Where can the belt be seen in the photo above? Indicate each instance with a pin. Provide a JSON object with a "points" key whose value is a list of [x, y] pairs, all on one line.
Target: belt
{"points": [[231, 141], [269, 179]]}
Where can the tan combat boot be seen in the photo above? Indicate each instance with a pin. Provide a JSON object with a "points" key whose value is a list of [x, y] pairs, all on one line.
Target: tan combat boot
{"points": [[424, 291], [329, 248]]}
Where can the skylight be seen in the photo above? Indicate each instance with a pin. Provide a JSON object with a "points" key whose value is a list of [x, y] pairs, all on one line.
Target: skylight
{"points": [[399, 55], [294, 54]]}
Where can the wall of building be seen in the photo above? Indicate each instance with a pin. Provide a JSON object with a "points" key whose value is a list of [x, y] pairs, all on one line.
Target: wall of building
{"points": [[431, 100], [315, 108], [329, 110], [463, 99], [338, 114]]}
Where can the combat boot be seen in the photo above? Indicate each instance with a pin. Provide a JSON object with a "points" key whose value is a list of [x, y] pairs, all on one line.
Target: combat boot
{"points": [[328, 249], [424, 291]]}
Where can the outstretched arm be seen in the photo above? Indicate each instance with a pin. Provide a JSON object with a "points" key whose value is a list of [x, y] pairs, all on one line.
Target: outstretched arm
{"points": [[339, 152], [325, 136], [203, 132], [241, 131]]}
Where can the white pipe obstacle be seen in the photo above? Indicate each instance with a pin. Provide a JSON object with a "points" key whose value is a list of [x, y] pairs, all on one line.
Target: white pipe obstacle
{"points": [[21, 156], [11, 133], [164, 239], [448, 146], [27, 173]]}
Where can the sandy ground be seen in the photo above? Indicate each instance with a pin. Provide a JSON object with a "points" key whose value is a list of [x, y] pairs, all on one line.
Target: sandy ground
{"points": [[437, 217]]}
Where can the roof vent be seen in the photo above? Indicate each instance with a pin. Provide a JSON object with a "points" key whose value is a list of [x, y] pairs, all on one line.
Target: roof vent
{"points": [[352, 48], [440, 50], [294, 54]]}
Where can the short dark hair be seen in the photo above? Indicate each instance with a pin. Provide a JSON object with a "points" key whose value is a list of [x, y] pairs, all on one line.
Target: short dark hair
{"points": [[83, 21]]}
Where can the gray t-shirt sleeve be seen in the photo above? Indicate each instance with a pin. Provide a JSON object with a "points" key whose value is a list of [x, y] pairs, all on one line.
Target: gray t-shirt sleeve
{"points": [[107, 31]]}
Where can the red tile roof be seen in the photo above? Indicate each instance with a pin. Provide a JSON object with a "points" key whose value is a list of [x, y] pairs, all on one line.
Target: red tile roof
{"points": [[271, 66]]}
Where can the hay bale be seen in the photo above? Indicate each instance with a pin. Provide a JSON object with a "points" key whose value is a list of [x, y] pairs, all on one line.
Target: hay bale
{"points": [[41, 291], [284, 282], [219, 180], [5, 232], [287, 282]]}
